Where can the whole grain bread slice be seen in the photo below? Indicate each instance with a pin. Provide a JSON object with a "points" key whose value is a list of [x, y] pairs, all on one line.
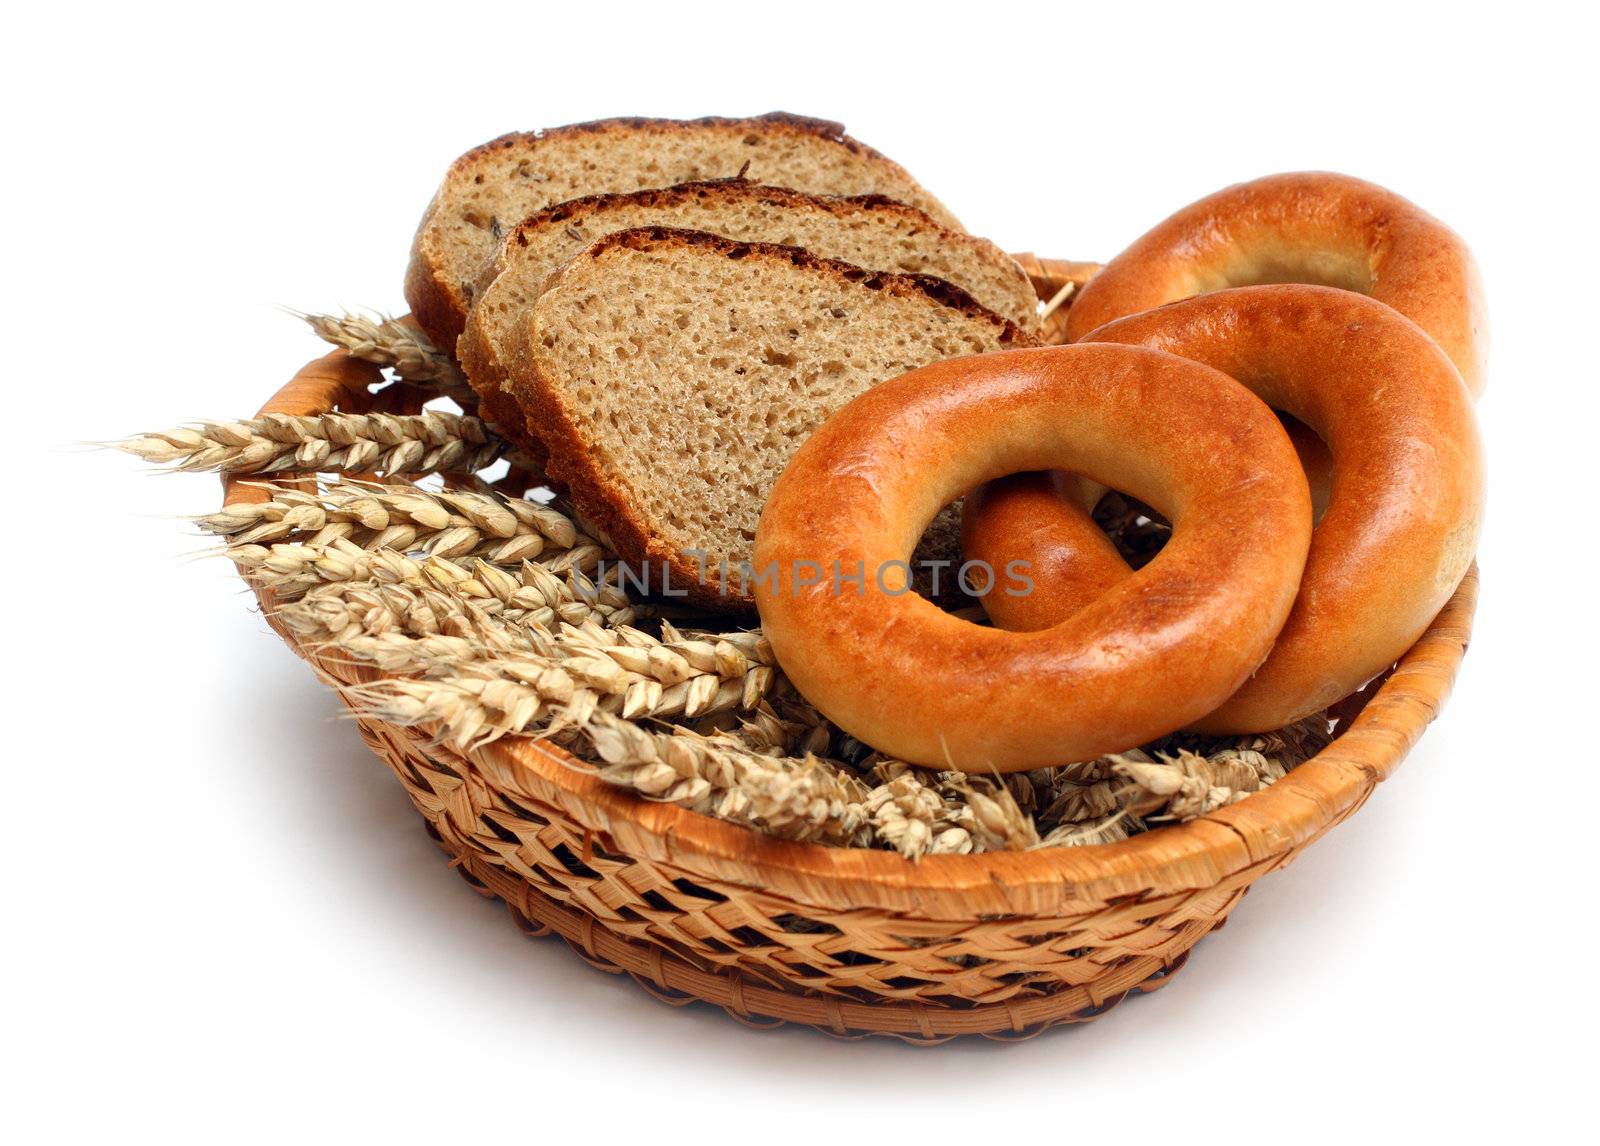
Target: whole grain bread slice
{"points": [[867, 231], [492, 188], [674, 373]]}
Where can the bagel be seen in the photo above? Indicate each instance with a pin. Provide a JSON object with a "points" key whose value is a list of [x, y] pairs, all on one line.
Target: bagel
{"points": [[1161, 648], [1306, 227], [1407, 493]]}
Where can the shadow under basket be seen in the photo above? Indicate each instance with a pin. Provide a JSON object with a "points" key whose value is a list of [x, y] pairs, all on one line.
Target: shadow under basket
{"points": [[858, 942]]}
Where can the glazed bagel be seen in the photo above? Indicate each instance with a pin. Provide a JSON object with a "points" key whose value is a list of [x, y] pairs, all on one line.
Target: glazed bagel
{"points": [[1161, 648], [1402, 521], [1305, 227]]}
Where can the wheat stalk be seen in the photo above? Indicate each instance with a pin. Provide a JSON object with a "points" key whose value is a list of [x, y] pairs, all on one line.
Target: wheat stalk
{"points": [[503, 693], [471, 639], [499, 629], [406, 350], [989, 813], [1182, 778], [797, 798], [480, 680], [447, 523], [393, 343], [1059, 299], [429, 442], [720, 774], [481, 676], [403, 629], [485, 651], [329, 597], [915, 819], [533, 594]]}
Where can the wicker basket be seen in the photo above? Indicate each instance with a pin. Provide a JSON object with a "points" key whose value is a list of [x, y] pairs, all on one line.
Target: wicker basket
{"points": [[858, 942]]}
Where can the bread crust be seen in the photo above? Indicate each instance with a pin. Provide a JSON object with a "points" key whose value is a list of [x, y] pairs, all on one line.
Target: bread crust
{"points": [[572, 461], [488, 376], [1162, 648], [1402, 522], [733, 190], [1265, 230], [480, 355], [436, 300]]}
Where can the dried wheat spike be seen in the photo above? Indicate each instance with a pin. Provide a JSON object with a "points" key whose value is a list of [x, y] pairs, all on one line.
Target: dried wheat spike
{"points": [[390, 342], [446, 523], [796, 798], [405, 630], [460, 641], [565, 699], [991, 815], [470, 653], [534, 594], [673, 657], [1180, 779], [403, 348], [630, 694], [806, 800], [913, 818], [424, 443]]}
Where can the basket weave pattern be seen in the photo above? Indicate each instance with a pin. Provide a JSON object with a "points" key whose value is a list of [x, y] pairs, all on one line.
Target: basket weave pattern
{"points": [[852, 941]]}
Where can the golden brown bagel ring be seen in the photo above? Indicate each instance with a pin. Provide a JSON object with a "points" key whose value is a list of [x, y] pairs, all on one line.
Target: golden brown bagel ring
{"points": [[1305, 227], [1407, 496], [1161, 648]]}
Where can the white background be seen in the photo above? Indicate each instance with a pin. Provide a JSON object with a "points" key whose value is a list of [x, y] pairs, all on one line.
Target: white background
{"points": [[224, 920]]}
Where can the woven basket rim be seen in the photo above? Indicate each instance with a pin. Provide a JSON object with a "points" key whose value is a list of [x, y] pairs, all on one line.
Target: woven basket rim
{"points": [[1171, 860]]}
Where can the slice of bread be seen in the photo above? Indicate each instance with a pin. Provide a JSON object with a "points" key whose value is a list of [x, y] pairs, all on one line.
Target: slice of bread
{"points": [[867, 231], [492, 188], [674, 373]]}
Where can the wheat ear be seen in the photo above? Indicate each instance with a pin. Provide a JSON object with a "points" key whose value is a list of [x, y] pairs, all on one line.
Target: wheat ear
{"points": [[390, 342], [431, 442], [292, 569], [446, 523], [796, 798], [421, 618], [720, 773], [1181, 779]]}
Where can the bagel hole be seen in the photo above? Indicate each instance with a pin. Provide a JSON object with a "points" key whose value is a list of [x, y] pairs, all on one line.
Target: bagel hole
{"points": [[941, 575], [1347, 270], [1137, 530], [1315, 459], [936, 566]]}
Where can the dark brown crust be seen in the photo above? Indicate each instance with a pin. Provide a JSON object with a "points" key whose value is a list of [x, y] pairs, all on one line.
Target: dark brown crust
{"points": [[572, 461], [585, 205], [428, 296], [435, 303], [800, 124], [732, 189], [482, 363], [487, 376]]}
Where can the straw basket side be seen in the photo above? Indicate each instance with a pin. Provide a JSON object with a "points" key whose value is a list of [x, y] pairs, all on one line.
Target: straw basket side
{"points": [[860, 942]]}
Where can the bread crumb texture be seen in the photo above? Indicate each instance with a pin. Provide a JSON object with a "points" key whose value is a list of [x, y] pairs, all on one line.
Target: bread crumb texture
{"points": [[691, 369], [491, 189]]}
